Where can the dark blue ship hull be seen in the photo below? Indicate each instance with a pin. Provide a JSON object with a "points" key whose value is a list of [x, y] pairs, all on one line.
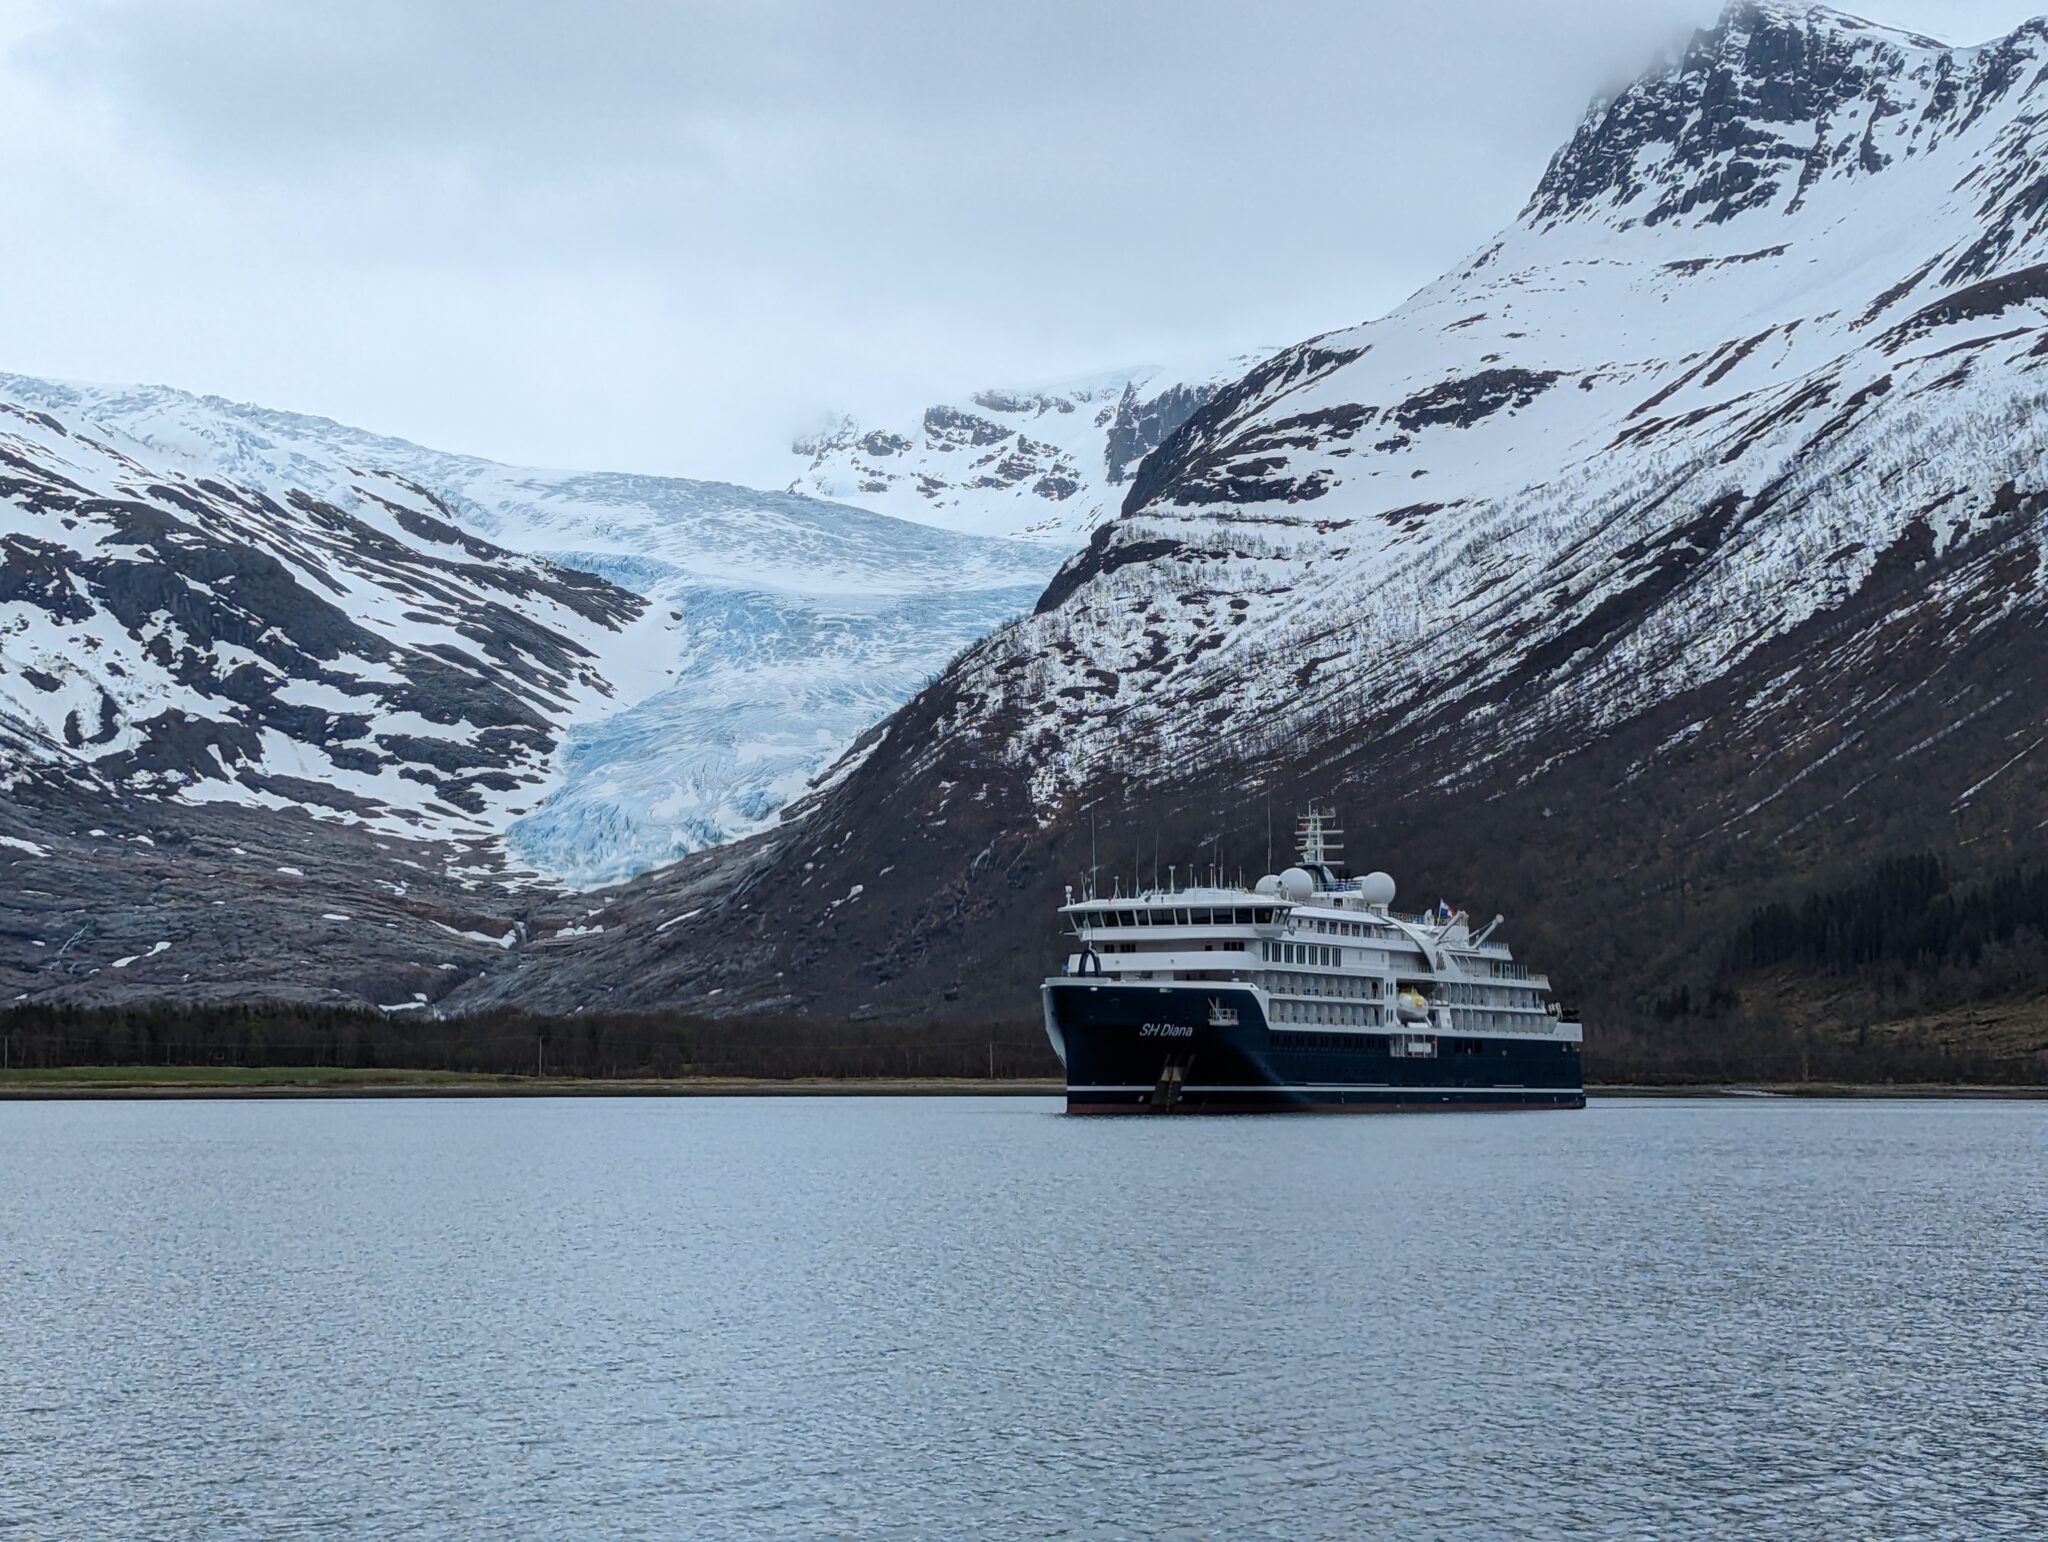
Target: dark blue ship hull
{"points": [[1141, 1048]]}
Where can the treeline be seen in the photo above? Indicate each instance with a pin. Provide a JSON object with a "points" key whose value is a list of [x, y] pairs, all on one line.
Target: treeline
{"points": [[1907, 913], [1798, 991], [1742, 1048], [1762, 1046], [514, 1043]]}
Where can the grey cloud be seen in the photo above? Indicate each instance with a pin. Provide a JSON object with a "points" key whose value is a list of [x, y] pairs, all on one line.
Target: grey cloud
{"points": [[661, 234]]}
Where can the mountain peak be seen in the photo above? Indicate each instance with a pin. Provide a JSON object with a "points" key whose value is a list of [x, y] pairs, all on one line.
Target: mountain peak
{"points": [[1748, 16], [1044, 462], [1775, 99]]}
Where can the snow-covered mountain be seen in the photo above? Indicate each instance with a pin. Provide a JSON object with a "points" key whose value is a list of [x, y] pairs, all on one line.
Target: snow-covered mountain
{"points": [[1768, 315], [197, 639], [1682, 544], [1048, 463], [675, 659]]}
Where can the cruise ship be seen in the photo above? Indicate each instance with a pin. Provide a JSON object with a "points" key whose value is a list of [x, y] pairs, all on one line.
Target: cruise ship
{"points": [[1308, 991]]}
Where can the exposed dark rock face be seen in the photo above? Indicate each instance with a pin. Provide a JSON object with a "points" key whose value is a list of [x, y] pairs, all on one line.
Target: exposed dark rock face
{"points": [[108, 898], [1141, 425], [950, 426], [1099, 559], [1770, 96], [1021, 402], [1198, 447], [1464, 402]]}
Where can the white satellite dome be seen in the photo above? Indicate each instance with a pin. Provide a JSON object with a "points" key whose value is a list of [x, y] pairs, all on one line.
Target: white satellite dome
{"points": [[1297, 885], [1270, 884], [1376, 889]]}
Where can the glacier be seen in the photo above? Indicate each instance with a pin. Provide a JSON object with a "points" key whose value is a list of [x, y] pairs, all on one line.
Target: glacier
{"points": [[778, 626]]}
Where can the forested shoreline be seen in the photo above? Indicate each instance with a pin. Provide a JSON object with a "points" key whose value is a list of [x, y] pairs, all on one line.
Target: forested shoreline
{"points": [[508, 1043], [656, 1045]]}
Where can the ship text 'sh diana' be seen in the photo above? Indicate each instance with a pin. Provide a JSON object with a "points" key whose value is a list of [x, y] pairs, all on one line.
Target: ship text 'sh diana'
{"points": [[1308, 991]]}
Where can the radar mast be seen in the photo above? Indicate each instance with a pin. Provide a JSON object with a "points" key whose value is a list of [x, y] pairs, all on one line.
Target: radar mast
{"points": [[1319, 841]]}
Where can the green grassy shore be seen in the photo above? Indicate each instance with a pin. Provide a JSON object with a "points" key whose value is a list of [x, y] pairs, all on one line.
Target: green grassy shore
{"points": [[142, 1081]]}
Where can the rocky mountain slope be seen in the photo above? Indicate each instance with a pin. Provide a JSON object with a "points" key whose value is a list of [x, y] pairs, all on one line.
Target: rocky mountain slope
{"points": [[201, 640], [680, 657], [1678, 551], [1049, 463]]}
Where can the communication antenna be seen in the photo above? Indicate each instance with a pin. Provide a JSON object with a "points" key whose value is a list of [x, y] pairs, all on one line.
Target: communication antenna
{"points": [[1320, 841]]}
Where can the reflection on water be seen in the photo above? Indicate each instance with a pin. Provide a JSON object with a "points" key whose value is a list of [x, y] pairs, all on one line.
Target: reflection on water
{"points": [[918, 1317]]}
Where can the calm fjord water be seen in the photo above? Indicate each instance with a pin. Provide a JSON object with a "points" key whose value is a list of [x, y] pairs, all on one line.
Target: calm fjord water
{"points": [[952, 1317]]}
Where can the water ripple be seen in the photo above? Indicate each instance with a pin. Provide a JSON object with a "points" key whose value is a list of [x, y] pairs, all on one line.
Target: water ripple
{"points": [[917, 1318]]}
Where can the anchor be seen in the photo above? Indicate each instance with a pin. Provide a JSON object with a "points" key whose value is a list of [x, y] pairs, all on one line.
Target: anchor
{"points": [[1171, 1077]]}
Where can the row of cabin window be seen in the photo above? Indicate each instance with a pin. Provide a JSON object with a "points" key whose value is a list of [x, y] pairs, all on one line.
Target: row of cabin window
{"points": [[1373, 1043], [1242, 915], [1363, 987], [1474, 1017], [1161, 947], [1489, 996], [1301, 953], [1341, 928], [1338, 1013]]}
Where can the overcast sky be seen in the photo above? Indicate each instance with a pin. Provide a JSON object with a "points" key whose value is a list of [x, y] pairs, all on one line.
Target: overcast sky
{"points": [[663, 236]]}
